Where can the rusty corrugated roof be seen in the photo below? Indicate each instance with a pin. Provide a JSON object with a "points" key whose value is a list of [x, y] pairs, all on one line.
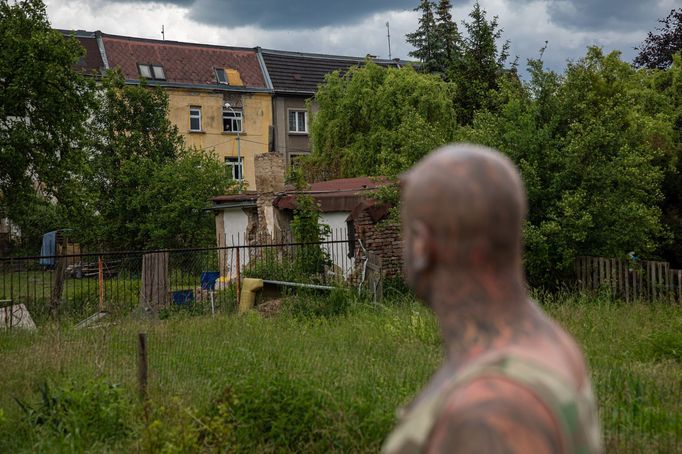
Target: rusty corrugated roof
{"points": [[247, 196], [342, 194]]}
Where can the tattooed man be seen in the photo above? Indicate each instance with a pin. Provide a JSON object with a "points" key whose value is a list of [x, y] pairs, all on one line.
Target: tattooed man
{"points": [[513, 381]]}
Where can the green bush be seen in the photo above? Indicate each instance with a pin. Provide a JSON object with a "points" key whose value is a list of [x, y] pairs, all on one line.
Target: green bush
{"points": [[177, 428], [78, 416], [282, 413], [320, 303]]}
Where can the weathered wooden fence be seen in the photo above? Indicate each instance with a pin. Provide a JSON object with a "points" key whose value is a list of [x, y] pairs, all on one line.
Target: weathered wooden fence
{"points": [[630, 279]]}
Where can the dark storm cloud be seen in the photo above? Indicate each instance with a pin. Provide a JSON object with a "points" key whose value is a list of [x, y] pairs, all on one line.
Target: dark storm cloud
{"points": [[282, 14], [589, 15]]}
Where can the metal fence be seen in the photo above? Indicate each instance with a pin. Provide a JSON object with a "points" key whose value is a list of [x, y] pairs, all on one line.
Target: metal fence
{"points": [[201, 280]]}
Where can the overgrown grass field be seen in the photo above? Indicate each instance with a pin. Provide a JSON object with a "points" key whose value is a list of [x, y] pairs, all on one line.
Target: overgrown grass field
{"points": [[323, 375]]}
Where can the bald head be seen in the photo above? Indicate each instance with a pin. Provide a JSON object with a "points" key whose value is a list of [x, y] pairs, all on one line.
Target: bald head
{"points": [[470, 202]]}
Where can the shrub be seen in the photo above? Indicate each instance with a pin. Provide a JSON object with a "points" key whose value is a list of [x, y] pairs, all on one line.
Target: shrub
{"points": [[79, 415], [317, 304]]}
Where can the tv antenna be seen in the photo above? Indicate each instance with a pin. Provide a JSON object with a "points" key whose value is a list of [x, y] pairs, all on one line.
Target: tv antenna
{"points": [[388, 29], [163, 32]]}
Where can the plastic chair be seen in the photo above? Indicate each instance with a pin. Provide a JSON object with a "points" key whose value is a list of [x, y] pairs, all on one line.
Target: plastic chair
{"points": [[182, 297], [208, 280]]}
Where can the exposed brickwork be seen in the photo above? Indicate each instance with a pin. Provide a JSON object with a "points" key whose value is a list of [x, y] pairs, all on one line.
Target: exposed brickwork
{"points": [[270, 173], [381, 238]]}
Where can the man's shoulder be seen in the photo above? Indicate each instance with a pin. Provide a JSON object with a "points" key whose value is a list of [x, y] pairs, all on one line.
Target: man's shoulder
{"points": [[493, 414], [483, 414]]}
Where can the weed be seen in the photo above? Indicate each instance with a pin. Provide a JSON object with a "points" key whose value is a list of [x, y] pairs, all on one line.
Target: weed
{"points": [[78, 416]]}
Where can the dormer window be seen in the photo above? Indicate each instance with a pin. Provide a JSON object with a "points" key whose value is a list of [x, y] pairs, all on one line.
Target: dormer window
{"points": [[159, 73], [220, 76], [228, 76], [146, 71], [152, 72]]}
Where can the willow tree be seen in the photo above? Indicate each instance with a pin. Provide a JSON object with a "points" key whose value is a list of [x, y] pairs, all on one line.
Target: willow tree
{"points": [[378, 121]]}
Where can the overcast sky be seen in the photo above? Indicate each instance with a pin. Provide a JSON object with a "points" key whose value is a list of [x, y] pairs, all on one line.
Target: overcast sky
{"points": [[357, 27]]}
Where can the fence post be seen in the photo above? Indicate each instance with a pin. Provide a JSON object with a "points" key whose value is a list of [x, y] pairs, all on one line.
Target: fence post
{"points": [[100, 281], [58, 285], [626, 279], [142, 369], [239, 275], [155, 284]]}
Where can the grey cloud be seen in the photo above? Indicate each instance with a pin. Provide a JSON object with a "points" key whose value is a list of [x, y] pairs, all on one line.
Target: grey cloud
{"points": [[282, 14], [605, 14], [584, 15]]}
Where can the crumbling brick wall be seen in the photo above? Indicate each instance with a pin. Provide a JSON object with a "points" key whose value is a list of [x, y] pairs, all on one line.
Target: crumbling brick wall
{"points": [[380, 238], [270, 171]]}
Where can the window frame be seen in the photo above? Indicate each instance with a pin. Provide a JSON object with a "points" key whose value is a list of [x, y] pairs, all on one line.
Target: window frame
{"points": [[154, 73], [305, 121], [293, 157], [236, 115], [238, 163], [158, 76], [217, 77], [148, 68], [191, 116]]}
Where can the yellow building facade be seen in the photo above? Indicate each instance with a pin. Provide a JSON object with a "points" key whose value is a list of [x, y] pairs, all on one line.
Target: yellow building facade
{"points": [[254, 137], [220, 98]]}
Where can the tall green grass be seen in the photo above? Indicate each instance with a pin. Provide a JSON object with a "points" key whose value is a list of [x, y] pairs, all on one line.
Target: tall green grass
{"points": [[321, 376]]}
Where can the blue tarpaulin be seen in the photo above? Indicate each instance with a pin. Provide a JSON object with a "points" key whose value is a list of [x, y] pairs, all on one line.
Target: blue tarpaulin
{"points": [[49, 247]]}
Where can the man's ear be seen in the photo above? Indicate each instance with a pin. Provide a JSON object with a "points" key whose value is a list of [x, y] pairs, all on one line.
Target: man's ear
{"points": [[421, 251]]}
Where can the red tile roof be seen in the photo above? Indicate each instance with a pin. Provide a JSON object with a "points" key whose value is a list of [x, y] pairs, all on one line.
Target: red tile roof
{"points": [[183, 63]]}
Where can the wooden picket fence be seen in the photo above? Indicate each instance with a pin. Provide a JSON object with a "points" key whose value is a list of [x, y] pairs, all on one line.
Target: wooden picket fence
{"points": [[631, 280]]}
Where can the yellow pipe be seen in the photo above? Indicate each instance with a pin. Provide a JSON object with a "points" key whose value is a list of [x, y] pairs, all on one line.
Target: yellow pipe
{"points": [[248, 297]]}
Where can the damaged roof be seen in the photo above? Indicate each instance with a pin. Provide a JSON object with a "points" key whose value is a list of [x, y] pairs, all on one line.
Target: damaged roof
{"points": [[343, 194], [245, 199]]}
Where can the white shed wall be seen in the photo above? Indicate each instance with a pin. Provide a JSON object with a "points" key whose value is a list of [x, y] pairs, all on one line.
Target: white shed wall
{"points": [[235, 222], [338, 251]]}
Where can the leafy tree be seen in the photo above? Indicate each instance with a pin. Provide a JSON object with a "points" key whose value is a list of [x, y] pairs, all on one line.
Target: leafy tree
{"points": [[171, 207], [36, 215], [425, 38], [148, 190], [377, 121], [44, 105], [657, 50], [668, 86], [480, 65], [592, 155], [306, 228]]}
